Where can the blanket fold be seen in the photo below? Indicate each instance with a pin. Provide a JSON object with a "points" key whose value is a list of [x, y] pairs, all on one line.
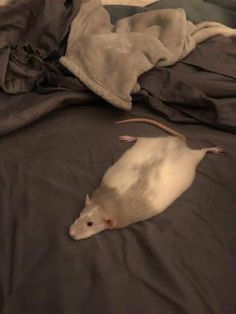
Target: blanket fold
{"points": [[22, 68], [108, 58]]}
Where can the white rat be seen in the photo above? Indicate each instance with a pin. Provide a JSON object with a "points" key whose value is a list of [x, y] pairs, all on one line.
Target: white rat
{"points": [[142, 183]]}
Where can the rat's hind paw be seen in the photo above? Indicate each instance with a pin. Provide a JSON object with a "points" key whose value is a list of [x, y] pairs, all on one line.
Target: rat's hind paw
{"points": [[215, 150], [127, 138]]}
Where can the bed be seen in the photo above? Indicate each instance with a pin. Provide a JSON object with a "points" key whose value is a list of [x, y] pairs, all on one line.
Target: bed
{"points": [[57, 140]]}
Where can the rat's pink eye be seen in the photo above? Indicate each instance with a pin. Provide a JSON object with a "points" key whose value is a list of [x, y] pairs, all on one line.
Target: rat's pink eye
{"points": [[89, 224]]}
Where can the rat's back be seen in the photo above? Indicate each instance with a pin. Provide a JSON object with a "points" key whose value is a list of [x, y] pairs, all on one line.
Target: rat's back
{"points": [[146, 152], [151, 175]]}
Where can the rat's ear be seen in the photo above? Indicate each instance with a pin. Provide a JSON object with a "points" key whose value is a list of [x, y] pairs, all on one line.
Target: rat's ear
{"points": [[110, 223], [87, 200]]}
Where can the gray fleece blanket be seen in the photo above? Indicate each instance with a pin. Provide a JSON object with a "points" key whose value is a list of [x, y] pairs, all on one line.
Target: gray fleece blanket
{"points": [[109, 58]]}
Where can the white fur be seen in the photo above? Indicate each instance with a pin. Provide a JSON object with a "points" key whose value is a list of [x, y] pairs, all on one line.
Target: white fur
{"points": [[161, 168], [167, 182], [124, 173], [176, 176]]}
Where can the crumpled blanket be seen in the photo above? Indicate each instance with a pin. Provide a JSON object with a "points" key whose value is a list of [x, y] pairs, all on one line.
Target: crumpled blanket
{"points": [[21, 68], [108, 58], [23, 52]]}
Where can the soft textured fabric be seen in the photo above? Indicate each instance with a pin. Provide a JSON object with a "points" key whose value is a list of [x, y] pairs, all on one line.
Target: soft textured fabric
{"points": [[32, 82], [117, 12], [199, 10], [24, 52], [230, 4], [196, 11], [109, 59], [23, 67], [197, 89], [54, 87], [4, 2]]}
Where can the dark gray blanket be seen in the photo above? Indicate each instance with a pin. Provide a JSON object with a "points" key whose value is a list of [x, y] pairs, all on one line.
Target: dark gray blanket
{"points": [[197, 89], [196, 10], [180, 262], [229, 4]]}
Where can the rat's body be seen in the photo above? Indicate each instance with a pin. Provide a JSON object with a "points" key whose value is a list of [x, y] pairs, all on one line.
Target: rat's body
{"points": [[141, 184]]}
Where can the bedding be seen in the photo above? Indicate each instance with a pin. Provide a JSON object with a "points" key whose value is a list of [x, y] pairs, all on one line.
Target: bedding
{"points": [[182, 261], [96, 49], [198, 87], [200, 10], [196, 11], [3, 2], [59, 138], [230, 4]]}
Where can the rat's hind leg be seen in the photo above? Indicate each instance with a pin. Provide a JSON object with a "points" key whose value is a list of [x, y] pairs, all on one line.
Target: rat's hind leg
{"points": [[214, 150], [199, 154], [127, 138]]}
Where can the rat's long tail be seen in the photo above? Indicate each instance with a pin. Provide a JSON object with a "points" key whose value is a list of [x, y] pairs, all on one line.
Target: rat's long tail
{"points": [[155, 123]]}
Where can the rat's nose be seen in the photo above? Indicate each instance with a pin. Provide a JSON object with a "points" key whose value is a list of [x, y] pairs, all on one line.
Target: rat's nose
{"points": [[72, 232]]}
